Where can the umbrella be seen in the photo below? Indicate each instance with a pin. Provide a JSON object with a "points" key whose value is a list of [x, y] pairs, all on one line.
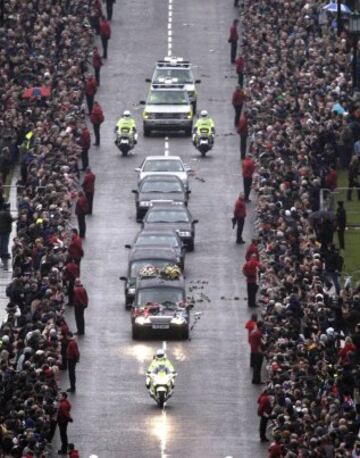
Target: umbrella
{"points": [[332, 8], [37, 91], [339, 109]]}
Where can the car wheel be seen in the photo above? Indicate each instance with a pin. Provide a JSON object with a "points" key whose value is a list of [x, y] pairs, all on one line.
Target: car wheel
{"points": [[135, 333], [185, 333], [194, 108], [147, 131], [188, 131]]}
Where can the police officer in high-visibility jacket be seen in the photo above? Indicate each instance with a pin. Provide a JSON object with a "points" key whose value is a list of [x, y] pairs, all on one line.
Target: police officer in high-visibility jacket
{"points": [[127, 122], [204, 123], [160, 360]]}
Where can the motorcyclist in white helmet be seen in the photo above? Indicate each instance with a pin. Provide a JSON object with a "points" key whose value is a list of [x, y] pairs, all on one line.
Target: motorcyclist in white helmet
{"points": [[127, 122], [204, 123], [160, 360]]}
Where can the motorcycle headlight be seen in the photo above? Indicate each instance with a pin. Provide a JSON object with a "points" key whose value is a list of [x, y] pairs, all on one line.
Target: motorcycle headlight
{"points": [[141, 320], [178, 320], [145, 203], [184, 233]]}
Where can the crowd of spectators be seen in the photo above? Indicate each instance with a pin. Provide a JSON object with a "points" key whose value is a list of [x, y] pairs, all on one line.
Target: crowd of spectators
{"points": [[304, 122], [44, 58]]}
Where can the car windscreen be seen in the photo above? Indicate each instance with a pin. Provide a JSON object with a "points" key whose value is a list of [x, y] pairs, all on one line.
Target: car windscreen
{"points": [[160, 296], [167, 216], [168, 98], [161, 186], [137, 265], [180, 75], [162, 165], [170, 240]]}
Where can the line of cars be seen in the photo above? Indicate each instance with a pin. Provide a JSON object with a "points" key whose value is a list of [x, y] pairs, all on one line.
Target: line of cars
{"points": [[154, 286]]}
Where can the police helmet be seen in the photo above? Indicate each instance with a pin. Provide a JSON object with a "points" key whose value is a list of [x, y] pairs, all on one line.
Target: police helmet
{"points": [[204, 113], [160, 353], [127, 114]]}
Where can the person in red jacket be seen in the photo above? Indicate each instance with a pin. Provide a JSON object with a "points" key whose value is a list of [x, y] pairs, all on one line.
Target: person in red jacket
{"points": [[73, 357], [63, 419], [84, 142], [71, 273], [276, 448], [97, 64], [240, 68], [251, 271], [97, 118], [331, 179], [243, 132], [73, 453], [264, 411], [81, 210], [250, 325], [105, 35], [233, 40], [248, 169], [90, 91], [238, 98], [239, 217], [81, 301], [89, 187], [75, 248], [256, 349], [252, 249]]}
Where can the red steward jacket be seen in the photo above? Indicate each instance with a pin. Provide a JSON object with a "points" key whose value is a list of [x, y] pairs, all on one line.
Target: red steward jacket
{"points": [[248, 167], [240, 209], [72, 350], [85, 139], [255, 341], [243, 125], [250, 270], [91, 86], [105, 29], [89, 182], [74, 454], [82, 206], [75, 249], [264, 404], [72, 271], [240, 64], [64, 411], [80, 297], [97, 115], [252, 249], [331, 180], [238, 98], [97, 61], [234, 36]]}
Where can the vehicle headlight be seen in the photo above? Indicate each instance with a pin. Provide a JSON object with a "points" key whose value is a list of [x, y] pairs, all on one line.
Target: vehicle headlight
{"points": [[178, 320], [189, 115], [184, 233], [145, 203], [131, 291], [146, 115], [141, 320]]}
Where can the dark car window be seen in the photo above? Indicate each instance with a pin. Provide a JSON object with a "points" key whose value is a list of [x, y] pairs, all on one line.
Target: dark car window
{"points": [[161, 186], [162, 165], [167, 216], [157, 240], [160, 295]]}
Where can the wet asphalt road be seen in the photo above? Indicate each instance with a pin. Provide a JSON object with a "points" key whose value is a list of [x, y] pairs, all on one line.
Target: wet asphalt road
{"points": [[213, 411]]}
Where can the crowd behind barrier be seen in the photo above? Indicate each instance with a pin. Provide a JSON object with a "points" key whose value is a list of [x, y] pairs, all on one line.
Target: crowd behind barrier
{"points": [[298, 74], [44, 56]]}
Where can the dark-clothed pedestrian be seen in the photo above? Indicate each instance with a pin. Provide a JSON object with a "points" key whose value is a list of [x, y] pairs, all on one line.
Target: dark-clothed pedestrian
{"points": [[251, 270], [341, 224], [264, 411], [105, 35], [85, 142], [233, 40], [97, 64], [88, 186], [81, 302], [243, 132], [6, 221], [90, 91], [81, 210], [239, 217], [238, 99], [73, 357], [256, 348], [240, 69], [63, 419], [109, 9], [353, 174], [97, 118], [71, 273], [248, 169]]}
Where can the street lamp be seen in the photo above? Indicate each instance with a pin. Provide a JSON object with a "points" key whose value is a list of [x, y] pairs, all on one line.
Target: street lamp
{"points": [[354, 28]]}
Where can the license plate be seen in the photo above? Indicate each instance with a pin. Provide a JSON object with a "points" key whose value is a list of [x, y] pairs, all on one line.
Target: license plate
{"points": [[160, 326]]}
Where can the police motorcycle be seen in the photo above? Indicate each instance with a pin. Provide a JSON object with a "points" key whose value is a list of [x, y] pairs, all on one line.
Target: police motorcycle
{"points": [[160, 379], [126, 136], [203, 136]]}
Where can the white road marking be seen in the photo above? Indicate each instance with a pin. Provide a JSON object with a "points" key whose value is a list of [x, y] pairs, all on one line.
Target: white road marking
{"points": [[166, 146]]}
